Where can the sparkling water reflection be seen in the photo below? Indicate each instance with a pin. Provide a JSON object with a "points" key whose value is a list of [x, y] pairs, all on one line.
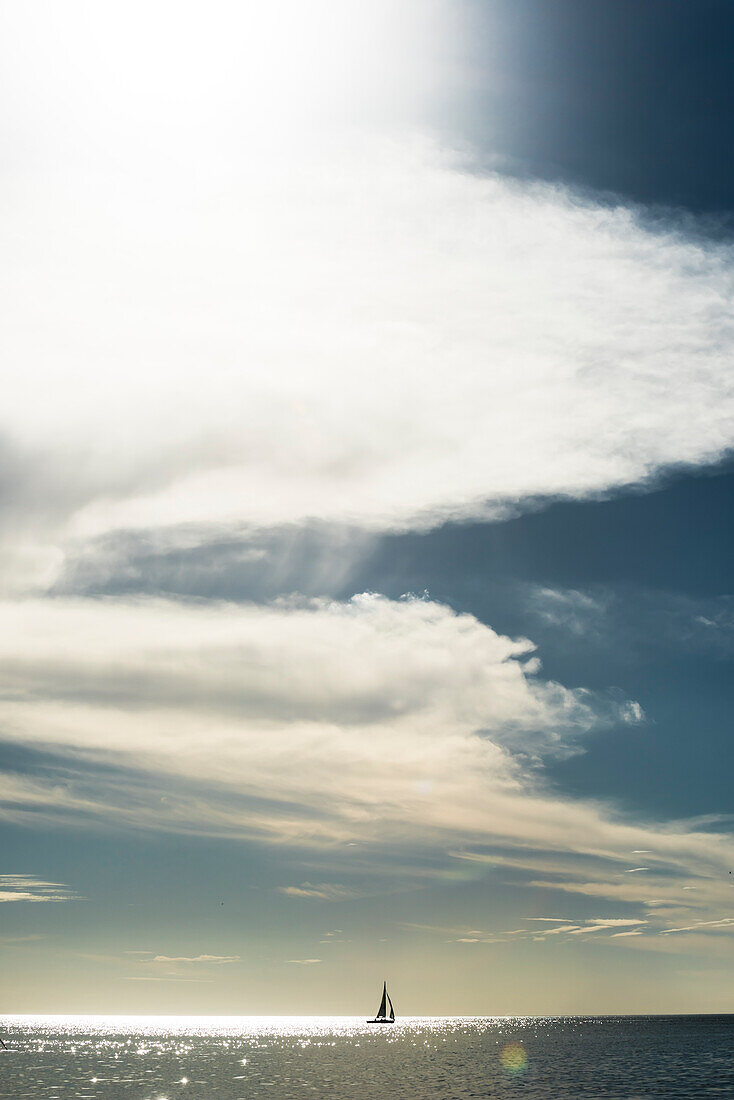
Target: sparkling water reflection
{"points": [[233, 1058]]}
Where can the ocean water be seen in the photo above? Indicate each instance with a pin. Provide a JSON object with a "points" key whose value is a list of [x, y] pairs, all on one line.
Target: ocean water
{"points": [[342, 1058]]}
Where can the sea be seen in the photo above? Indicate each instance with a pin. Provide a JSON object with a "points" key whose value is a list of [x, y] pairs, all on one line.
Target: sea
{"points": [[344, 1058]]}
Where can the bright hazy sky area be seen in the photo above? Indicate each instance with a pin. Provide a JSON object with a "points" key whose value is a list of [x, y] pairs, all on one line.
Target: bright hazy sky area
{"points": [[366, 506]]}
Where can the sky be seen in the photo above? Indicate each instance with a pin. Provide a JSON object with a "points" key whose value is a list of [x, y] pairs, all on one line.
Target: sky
{"points": [[366, 507]]}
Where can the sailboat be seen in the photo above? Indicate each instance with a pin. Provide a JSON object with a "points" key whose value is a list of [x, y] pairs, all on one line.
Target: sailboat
{"points": [[382, 1016]]}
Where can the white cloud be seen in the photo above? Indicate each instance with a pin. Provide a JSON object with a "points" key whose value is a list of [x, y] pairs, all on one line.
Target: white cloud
{"points": [[30, 888], [576, 613], [380, 337], [605, 925], [317, 720], [561, 928], [140, 978], [723, 924], [390, 725], [467, 934], [215, 960], [157, 967], [613, 922], [321, 891]]}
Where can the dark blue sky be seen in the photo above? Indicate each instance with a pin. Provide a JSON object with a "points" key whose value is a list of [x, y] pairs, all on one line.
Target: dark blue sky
{"points": [[615, 95]]}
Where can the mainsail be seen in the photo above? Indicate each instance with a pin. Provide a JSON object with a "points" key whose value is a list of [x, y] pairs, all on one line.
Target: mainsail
{"points": [[382, 1016]]}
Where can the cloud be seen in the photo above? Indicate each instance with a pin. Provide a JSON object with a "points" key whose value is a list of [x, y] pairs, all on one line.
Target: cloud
{"points": [[139, 978], [605, 925], [369, 664], [379, 337], [158, 967], [251, 564], [460, 934], [593, 924], [305, 719], [305, 962], [388, 727], [723, 924], [660, 891], [216, 960], [321, 891], [30, 888], [613, 922], [575, 613], [625, 617], [561, 928], [652, 930]]}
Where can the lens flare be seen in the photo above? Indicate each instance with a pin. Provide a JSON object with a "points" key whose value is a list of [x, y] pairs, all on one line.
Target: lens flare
{"points": [[514, 1058]]}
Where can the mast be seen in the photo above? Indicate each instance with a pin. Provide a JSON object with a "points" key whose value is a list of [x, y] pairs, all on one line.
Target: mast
{"points": [[382, 1010]]}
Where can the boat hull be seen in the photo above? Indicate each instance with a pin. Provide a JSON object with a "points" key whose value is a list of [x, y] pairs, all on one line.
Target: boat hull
{"points": [[379, 1021]]}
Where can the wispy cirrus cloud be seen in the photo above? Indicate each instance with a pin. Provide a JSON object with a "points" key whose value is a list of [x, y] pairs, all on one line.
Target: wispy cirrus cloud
{"points": [[723, 924], [161, 978], [207, 960], [609, 617], [155, 967], [652, 931], [31, 889], [560, 928], [594, 924], [321, 891]]}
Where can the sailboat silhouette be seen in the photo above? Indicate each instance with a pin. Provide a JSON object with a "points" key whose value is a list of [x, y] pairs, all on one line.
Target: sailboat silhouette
{"points": [[382, 1016]]}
